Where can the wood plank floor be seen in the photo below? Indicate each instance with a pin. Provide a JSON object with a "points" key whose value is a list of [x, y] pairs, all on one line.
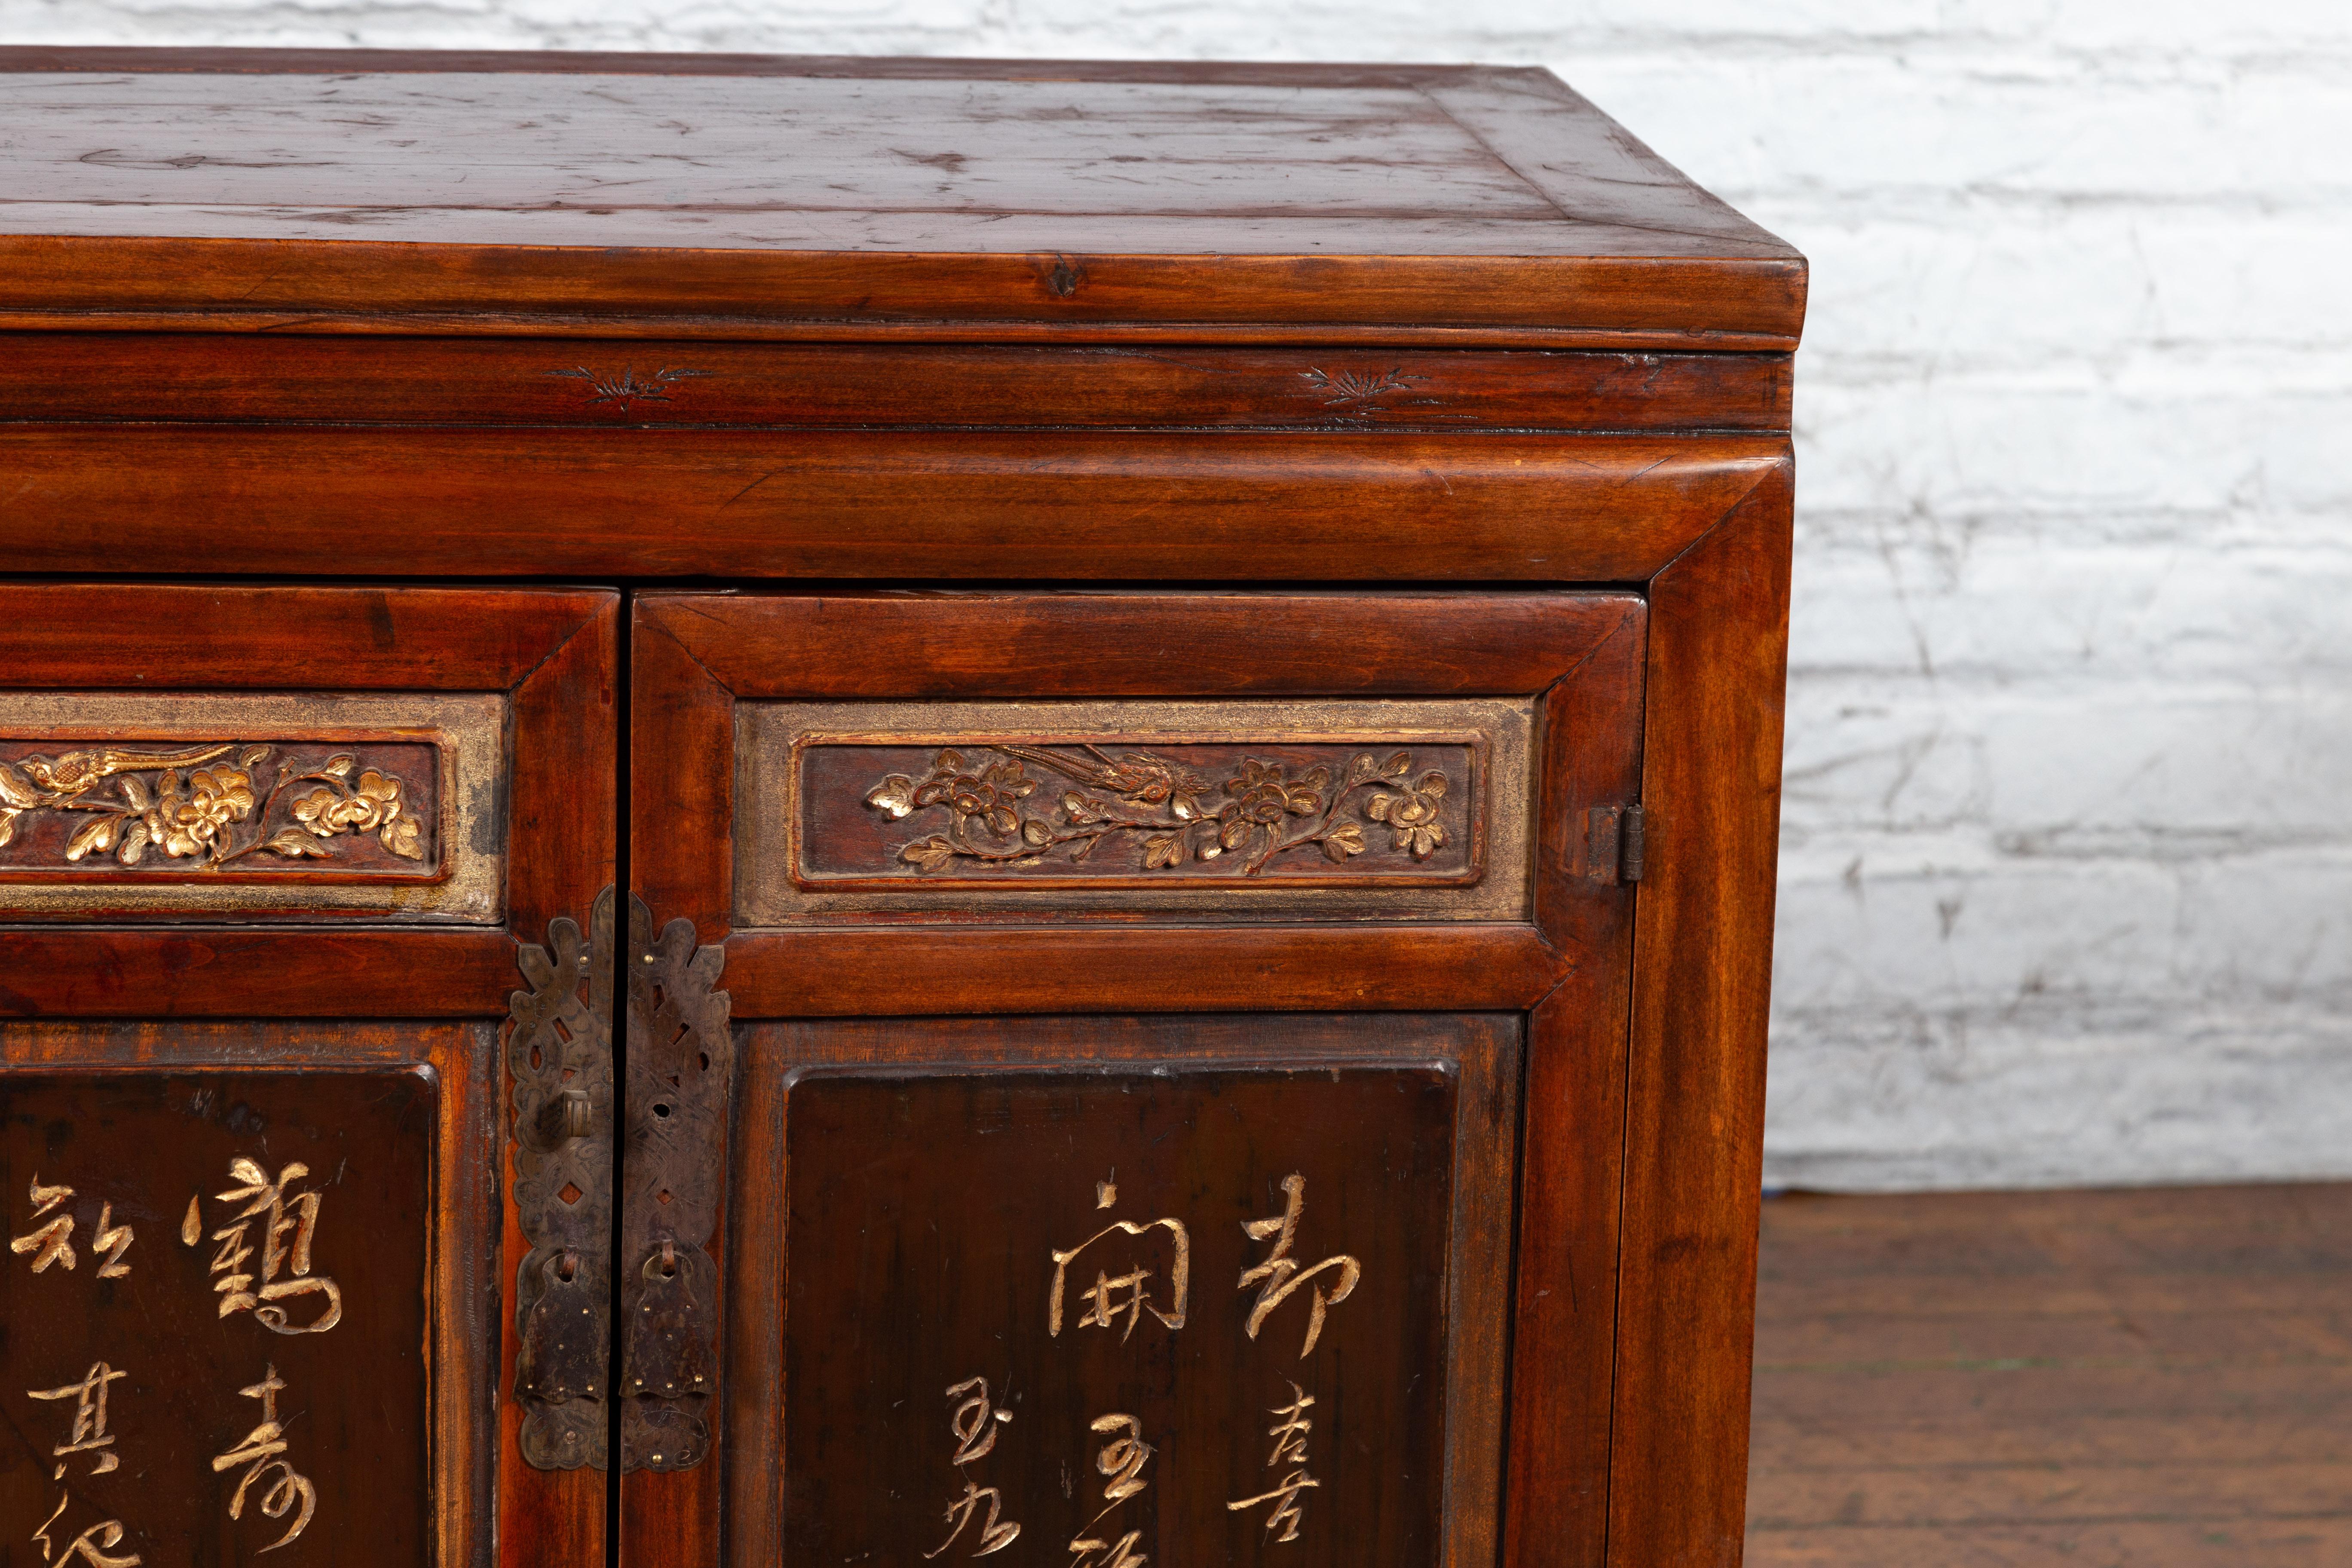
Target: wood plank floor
{"points": [[2158, 1378]]}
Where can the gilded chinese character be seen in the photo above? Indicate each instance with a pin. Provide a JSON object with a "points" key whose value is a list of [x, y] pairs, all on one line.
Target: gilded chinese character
{"points": [[1087, 1553], [112, 1239], [89, 1434], [974, 1424], [285, 1271], [51, 1243], [1289, 1434], [1120, 1462], [1122, 1458], [93, 1547], [1125, 1295], [263, 1450], [1280, 1274]]}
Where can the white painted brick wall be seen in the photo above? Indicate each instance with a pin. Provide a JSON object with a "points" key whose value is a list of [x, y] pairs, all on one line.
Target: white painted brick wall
{"points": [[2068, 879]]}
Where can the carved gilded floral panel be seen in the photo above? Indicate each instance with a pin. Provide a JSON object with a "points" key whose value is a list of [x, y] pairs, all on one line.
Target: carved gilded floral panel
{"points": [[194, 804], [996, 808], [1413, 808], [261, 806]]}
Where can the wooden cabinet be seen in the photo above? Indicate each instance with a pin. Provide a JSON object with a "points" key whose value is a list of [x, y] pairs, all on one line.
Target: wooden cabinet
{"points": [[757, 810]]}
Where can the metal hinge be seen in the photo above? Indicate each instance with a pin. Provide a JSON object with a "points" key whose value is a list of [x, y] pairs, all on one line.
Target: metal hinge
{"points": [[560, 1053], [672, 1169], [681, 1069], [1613, 843]]}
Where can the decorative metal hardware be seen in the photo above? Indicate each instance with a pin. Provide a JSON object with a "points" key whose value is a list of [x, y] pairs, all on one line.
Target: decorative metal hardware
{"points": [[681, 1069], [560, 1053], [1613, 843]]}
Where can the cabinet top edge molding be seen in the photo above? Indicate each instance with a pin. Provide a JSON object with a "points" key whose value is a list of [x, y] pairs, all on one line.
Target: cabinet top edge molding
{"points": [[368, 190]]}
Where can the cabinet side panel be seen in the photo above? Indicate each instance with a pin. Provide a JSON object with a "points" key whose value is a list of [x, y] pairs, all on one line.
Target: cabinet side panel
{"points": [[1695, 1096]]}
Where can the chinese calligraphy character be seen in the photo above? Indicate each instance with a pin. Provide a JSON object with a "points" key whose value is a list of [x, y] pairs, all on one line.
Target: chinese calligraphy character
{"points": [[1106, 1303], [52, 1243], [92, 1547], [1289, 1434], [288, 1213], [1122, 1462], [974, 1424], [1280, 1274], [90, 1433], [264, 1450], [112, 1239]]}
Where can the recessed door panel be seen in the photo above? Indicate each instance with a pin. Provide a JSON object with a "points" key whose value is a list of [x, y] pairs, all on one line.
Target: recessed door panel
{"points": [[1175, 1315], [1222, 1288], [218, 1298]]}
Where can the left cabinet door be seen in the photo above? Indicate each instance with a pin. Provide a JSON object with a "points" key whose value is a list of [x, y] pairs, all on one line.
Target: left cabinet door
{"points": [[305, 1115]]}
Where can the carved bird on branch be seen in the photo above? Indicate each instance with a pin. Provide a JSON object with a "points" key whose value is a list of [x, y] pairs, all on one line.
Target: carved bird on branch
{"points": [[1137, 776], [56, 780]]}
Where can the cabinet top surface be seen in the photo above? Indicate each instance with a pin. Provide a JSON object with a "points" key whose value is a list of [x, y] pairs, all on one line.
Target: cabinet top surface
{"points": [[898, 191]]}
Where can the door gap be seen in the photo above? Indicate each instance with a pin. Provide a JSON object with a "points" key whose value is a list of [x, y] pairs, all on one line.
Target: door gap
{"points": [[622, 957]]}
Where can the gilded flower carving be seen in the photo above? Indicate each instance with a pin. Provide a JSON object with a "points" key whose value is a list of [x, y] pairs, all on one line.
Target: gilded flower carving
{"points": [[183, 823], [1412, 815], [203, 805], [994, 817]]}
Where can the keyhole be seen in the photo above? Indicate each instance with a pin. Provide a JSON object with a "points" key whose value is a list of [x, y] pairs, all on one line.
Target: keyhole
{"points": [[660, 1110]]}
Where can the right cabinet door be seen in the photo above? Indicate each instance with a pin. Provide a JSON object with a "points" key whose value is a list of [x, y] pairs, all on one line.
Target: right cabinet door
{"points": [[1117, 1077]]}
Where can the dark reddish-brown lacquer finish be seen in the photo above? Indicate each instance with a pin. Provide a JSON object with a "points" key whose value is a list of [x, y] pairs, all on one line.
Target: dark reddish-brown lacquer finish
{"points": [[931, 1214], [139, 1147], [1036, 447]]}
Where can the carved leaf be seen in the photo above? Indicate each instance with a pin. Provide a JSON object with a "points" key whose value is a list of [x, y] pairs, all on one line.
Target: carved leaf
{"points": [[134, 844], [16, 789], [928, 854], [1377, 808], [1343, 841], [8, 828], [895, 795], [135, 793], [1363, 769], [1035, 832], [294, 844], [404, 836], [1079, 809], [97, 835], [1431, 784], [251, 755], [339, 764], [1398, 765], [1163, 849]]}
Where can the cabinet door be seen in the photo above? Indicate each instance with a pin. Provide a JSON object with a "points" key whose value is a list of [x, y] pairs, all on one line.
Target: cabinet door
{"points": [[1157, 1064], [277, 866]]}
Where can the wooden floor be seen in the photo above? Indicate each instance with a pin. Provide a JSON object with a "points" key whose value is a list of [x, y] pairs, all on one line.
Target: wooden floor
{"points": [[2158, 1378]]}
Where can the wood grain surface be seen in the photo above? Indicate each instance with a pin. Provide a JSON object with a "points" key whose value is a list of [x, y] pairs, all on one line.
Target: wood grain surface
{"points": [[1067, 195], [2045, 1380], [613, 380], [1701, 994], [1075, 506]]}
